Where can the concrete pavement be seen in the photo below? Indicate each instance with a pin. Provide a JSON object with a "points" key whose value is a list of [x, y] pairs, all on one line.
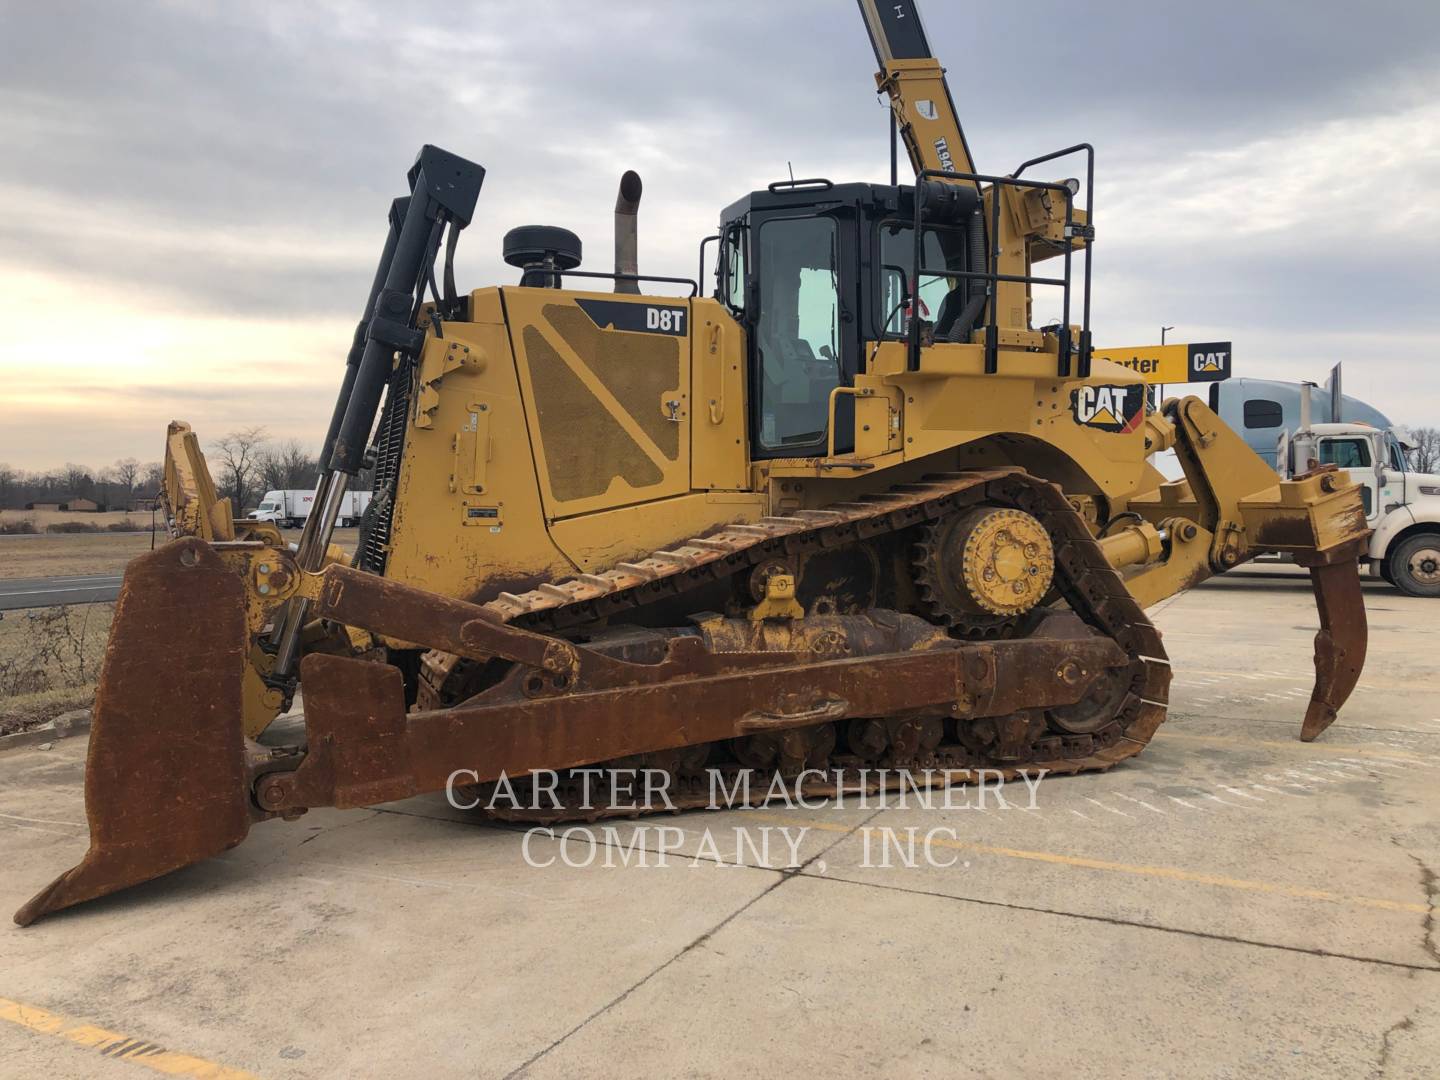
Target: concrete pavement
{"points": [[1231, 902]]}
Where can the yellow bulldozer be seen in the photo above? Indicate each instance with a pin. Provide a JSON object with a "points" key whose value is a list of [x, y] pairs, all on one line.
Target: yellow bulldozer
{"points": [[851, 508]]}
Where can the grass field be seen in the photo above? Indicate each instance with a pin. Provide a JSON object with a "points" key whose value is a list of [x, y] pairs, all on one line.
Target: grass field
{"points": [[41, 553], [70, 554], [42, 518], [50, 657], [45, 554], [49, 661]]}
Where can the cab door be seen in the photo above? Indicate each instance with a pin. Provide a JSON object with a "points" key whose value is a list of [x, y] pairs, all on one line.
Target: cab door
{"points": [[801, 333], [1356, 455]]}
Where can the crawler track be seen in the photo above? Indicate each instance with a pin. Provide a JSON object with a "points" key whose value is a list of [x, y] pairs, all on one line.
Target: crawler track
{"points": [[1092, 736]]}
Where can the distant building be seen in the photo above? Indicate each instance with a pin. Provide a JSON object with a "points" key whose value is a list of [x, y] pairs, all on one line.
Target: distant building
{"points": [[73, 503]]}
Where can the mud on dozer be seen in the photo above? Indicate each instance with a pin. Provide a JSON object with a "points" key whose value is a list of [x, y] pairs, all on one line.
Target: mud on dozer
{"points": [[850, 511]]}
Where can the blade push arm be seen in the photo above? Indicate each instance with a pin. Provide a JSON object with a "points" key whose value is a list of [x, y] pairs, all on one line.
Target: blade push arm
{"points": [[1231, 507]]}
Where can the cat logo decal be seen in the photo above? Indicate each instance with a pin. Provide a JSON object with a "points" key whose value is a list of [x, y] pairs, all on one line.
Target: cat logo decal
{"points": [[1110, 408]]}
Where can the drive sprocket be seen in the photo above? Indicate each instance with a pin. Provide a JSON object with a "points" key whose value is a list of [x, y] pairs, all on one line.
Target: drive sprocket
{"points": [[982, 571]]}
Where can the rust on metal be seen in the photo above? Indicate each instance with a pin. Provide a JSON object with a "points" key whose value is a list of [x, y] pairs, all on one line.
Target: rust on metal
{"points": [[166, 780], [1341, 641], [365, 749], [1065, 688], [172, 780]]}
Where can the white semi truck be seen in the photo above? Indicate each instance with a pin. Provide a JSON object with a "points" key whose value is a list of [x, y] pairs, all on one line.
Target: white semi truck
{"points": [[1401, 505], [290, 508]]}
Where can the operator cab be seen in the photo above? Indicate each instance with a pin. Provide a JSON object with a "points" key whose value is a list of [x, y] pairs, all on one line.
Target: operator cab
{"points": [[814, 270]]}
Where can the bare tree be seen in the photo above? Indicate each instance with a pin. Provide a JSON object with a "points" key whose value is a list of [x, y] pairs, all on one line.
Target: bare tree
{"points": [[9, 481], [77, 479], [153, 476], [300, 467], [286, 466], [126, 472], [238, 453], [1426, 456], [269, 468]]}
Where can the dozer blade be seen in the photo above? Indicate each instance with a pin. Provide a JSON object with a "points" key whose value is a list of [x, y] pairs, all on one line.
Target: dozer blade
{"points": [[165, 780], [1341, 640]]}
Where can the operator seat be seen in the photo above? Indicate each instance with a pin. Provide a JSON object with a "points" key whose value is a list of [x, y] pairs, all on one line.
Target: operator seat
{"points": [[950, 309]]}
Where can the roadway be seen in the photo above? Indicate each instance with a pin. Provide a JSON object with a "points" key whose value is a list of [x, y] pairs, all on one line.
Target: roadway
{"points": [[16, 593]]}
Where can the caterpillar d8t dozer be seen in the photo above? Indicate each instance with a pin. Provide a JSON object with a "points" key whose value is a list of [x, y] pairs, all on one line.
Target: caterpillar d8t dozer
{"points": [[852, 508]]}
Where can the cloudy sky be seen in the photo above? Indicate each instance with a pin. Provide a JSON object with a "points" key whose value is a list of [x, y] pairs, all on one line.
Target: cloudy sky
{"points": [[192, 196]]}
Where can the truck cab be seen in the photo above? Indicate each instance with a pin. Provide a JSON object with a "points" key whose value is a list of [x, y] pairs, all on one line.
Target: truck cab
{"points": [[1401, 505], [273, 507], [287, 509]]}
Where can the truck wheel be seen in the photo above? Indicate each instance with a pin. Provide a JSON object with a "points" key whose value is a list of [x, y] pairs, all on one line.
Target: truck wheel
{"points": [[1414, 565]]}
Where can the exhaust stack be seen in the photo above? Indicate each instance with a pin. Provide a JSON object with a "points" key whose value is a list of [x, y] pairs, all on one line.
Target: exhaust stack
{"points": [[627, 243]]}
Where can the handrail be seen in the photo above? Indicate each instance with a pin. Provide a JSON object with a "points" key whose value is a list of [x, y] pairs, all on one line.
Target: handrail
{"points": [[853, 391], [1088, 236], [701, 276], [546, 272], [991, 274]]}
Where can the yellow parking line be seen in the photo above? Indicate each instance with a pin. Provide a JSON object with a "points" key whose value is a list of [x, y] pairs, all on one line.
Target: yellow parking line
{"points": [[112, 1044], [1171, 873]]}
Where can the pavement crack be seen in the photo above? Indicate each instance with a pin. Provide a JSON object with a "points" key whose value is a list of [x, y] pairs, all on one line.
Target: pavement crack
{"points": [[782, 876], [343, 825], [1112, 920], [1431, 885], [1386, 1043]]}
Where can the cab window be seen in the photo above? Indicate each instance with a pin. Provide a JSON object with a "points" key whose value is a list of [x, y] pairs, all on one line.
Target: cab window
{"points": [[1346, 453], [941, 297], [1261, 413], [733, 264], [797, 336], [1397, 453]]}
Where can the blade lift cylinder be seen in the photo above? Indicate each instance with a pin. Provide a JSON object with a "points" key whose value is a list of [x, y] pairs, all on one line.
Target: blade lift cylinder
{"points": [[443, 191]]}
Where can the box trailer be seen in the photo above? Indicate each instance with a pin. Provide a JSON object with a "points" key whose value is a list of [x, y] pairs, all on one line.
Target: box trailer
{"points": [[290, 508]]}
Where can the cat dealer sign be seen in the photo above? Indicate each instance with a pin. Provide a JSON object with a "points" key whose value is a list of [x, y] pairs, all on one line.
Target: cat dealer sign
{"points": [[1205, 361]]}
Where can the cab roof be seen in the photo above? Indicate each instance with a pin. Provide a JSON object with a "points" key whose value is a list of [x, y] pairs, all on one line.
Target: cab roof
{"points": [[821, 193]]}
